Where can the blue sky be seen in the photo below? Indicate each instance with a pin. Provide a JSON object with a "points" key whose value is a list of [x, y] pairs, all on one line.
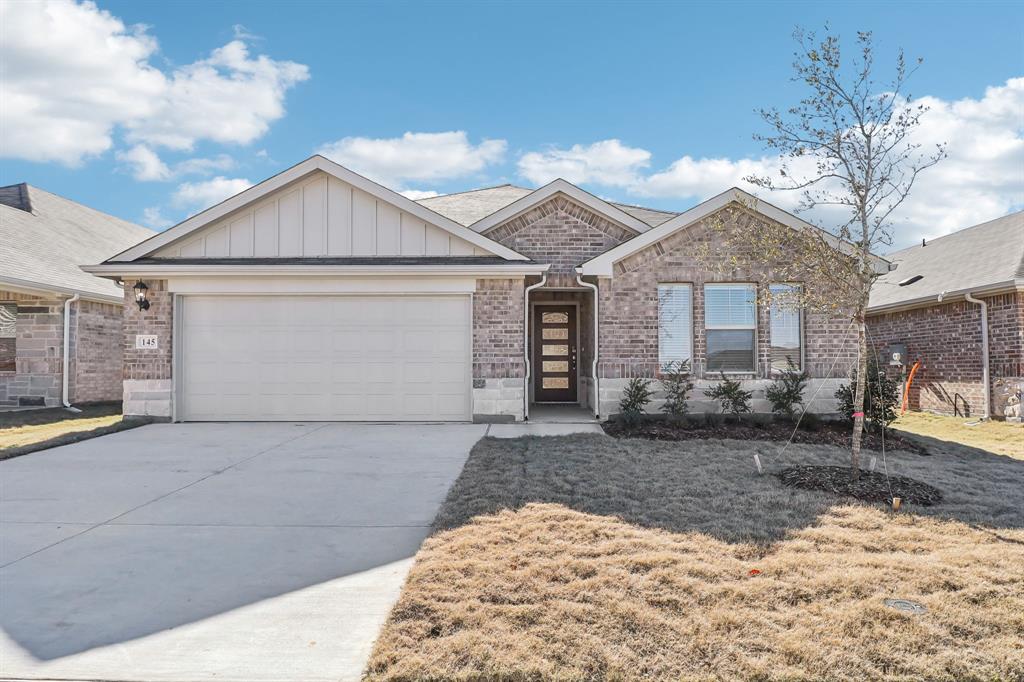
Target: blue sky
{"points": [[647, 103]]}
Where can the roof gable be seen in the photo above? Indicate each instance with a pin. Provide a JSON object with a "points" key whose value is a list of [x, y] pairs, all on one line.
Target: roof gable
{"points": [[539, 196], [602, 266], [297, 218]]}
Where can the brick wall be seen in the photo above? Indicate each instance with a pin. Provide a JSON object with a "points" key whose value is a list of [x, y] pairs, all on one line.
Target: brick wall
{"points": [[562, 233], [38, 357], [629, 306], [947, 339], [498, 329], [147, 372], [95, 369]]}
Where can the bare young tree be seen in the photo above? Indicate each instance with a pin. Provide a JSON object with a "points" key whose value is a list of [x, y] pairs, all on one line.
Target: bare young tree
{"points": [[847, 148]]}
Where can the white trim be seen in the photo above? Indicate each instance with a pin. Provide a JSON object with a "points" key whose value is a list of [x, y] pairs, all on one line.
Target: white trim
{"points": [[539, 196], [1007, 287], [128, 269], [292, 174], [23, 286], [66, 359], [602, 266]]}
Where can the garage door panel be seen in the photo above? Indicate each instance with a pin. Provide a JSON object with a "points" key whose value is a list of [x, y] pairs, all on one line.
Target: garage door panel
{"points": [[325, 357]]}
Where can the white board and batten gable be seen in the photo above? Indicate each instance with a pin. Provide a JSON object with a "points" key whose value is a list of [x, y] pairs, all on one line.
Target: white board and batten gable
{"points": [[320, 215]]}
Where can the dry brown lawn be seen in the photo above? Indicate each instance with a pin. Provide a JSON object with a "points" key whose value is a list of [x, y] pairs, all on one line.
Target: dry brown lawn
{"points": [[590, 558], [994, 436], [18, 436]]}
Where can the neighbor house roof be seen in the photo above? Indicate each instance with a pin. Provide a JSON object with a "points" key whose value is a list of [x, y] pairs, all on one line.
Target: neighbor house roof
{"points": [[467, 208], [44, 238], [985, 258]]}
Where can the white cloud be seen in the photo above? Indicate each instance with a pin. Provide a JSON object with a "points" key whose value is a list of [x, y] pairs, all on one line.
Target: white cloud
{"points": [[144, 163], [74, 73], [982, 178], [415, 156], [202, 195], [417, 194], [608, 162], [154, 218]]}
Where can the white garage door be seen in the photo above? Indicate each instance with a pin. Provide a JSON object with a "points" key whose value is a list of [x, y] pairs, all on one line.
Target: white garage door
{"points": [[358, 358]]}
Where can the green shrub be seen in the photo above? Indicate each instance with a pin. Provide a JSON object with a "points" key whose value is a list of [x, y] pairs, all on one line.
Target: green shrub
{"points": [[730, 395], [786, 393], [675, 378], [635, 397], [880, 398]]}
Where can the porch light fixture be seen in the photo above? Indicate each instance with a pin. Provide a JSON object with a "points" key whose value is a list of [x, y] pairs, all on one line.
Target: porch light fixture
{"points": [[140, 295]]}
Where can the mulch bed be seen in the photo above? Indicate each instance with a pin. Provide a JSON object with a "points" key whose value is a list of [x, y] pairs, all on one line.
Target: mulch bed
{"points": [[870, 486], [821, 433]]}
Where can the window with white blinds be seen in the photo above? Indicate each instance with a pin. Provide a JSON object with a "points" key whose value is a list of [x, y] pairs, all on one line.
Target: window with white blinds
{"points": [[675, 324], [786, 334], [730, 324]]}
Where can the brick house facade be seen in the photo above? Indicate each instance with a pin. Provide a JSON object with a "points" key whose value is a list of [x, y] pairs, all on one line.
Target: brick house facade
{"points": [[533, 251], [946, 338], [95, 356]]}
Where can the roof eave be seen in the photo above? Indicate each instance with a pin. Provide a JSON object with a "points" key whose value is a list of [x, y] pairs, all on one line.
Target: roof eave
{"points": [[994, 289], [128, 269], [23, 286]]}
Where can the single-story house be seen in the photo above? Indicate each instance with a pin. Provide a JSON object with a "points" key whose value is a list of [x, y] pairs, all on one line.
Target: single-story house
{"points": [[956, 304], [60, 328], [318, 294]]}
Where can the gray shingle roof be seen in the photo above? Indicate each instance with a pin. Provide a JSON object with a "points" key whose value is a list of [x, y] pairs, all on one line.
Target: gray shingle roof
{"points": [[470, 207], [44, 247], [986, 255]]}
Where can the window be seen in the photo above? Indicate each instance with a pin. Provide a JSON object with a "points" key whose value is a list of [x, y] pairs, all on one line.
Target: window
{"points": [[8, 336], [730, 323], [785, 330], [675, 324]]}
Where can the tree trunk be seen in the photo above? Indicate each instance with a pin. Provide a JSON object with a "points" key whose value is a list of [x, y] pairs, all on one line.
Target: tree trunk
{"points": [[858, 395]]}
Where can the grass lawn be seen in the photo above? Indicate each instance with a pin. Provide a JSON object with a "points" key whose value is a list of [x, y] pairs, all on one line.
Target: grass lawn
{"points": [[590, 558], [28, 430], [994, 436]]}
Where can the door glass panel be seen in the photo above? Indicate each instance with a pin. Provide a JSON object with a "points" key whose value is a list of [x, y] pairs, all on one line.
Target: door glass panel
{"points": [[554, 318], [555, 382], [554, 350], [555, 333], [555, 366]]}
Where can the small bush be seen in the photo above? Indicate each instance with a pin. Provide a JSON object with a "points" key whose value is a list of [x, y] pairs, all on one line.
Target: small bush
{"points": [[786, 393], [677, 383], [635, 397], [880, 398], [730, 395]]}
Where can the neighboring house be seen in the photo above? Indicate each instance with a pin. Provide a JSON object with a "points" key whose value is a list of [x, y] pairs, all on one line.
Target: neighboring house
{"points": [[925, 305], [43, 240], [318, 294]]}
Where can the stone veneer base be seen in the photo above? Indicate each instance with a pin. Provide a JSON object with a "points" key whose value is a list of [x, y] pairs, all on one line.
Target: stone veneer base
{"points": [[147, 398], [498, 398]]}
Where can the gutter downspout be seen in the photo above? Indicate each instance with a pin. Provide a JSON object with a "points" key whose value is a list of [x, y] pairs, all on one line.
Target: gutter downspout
{"points": [[526, 342], [984, 353], [593, 369], [67, 351]]}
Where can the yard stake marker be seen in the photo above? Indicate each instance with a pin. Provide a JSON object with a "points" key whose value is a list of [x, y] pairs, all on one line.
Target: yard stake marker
{"points": [[874, 460], [757, 461]]}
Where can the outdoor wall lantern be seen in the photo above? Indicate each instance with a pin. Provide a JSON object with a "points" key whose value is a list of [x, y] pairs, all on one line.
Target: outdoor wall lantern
{"points": [[140, 295]]}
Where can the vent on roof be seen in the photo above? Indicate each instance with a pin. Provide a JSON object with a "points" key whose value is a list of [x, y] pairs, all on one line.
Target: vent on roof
{"points": [[910, 280]]}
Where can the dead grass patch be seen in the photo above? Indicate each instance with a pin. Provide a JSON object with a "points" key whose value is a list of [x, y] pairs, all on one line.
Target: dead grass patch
{"points": [[1000, 437], [591, 558]]}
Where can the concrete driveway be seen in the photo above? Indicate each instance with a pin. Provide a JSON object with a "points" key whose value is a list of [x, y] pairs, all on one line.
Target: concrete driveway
{"points": [[215, 551]]}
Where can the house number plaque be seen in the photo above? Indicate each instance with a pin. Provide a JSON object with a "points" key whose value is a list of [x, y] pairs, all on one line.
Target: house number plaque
{"points": [[146, 341]]}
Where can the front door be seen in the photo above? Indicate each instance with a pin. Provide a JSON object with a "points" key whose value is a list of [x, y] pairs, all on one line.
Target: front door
{"points": [[554, 354]]}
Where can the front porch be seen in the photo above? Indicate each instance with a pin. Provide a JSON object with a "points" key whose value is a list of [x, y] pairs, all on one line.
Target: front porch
{"points": [[560, 345]]}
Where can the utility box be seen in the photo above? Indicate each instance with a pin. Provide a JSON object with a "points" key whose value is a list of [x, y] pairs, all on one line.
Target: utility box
{"points": [[897, 354]]}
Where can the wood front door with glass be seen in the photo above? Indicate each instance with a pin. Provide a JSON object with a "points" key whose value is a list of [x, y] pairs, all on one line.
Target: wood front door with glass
{"points": [[554, 354]]}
